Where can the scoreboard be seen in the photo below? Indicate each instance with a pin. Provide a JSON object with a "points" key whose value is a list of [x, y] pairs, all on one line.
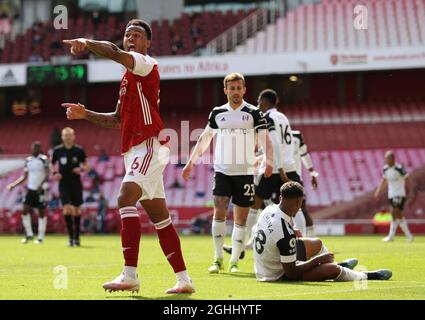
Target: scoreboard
{"points": [[57, 74]]}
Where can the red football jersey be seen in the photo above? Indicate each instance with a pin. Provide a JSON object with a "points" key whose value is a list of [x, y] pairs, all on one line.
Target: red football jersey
{"points": [[139, 98]]}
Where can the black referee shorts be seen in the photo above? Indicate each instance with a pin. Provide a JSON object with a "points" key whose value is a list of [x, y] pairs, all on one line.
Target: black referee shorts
{"points": [[239, 188], [71, 192]]}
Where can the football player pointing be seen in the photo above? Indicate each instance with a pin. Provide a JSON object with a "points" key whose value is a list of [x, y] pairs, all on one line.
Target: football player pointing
{"points": [[137, 115]]}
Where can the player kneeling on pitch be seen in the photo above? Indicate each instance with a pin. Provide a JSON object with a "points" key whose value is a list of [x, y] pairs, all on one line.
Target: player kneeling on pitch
{"points": [[277, 254]]}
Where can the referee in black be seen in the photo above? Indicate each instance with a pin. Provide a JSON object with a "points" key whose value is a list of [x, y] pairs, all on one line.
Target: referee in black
{"points": [[72, 162]]}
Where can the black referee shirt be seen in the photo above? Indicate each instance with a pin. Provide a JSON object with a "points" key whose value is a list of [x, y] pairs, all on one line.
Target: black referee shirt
{"points": [[69, 159]]}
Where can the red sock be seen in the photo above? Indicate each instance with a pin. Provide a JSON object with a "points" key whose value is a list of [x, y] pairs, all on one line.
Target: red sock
{"points": [[130, 235], [170, 244]]}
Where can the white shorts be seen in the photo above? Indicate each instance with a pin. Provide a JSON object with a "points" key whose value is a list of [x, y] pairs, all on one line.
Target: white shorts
{"points": [[144, 165]]}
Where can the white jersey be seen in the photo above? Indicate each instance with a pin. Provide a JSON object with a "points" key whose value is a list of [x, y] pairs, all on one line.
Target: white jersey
{"points": [[234, 151], [281, 135], [274, 244], [37, 169], [300, 150], [396, 178]]}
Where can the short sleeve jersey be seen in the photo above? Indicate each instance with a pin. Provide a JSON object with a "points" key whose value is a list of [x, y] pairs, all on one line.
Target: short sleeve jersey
{"points": [[396, 178], [236, 135], [37, 169], [68, 160], [274, 244]]}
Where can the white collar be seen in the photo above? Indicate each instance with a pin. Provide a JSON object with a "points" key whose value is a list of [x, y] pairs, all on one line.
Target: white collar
{"points": [[271, 109], [238, 108], [284, 215]]}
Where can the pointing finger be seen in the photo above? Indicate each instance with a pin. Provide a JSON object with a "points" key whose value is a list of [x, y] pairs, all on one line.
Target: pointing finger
{"points": [[69, 105]]}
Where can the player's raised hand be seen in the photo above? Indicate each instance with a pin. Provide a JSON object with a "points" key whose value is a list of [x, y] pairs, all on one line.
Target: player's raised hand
{"points": [[78, 46], [187, 170], [10, 187], [75, 111]]}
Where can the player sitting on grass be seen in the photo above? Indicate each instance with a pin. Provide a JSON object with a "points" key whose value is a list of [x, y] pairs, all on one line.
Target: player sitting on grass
{"points": [[275, 247]]}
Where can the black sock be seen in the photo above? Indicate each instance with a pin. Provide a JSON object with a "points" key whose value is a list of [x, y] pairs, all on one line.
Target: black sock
{"points": [[69, 226], [77, 220], [372, 276]]}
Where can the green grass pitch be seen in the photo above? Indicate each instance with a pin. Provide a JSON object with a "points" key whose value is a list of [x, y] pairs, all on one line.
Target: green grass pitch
{"points": [[27, 271]]}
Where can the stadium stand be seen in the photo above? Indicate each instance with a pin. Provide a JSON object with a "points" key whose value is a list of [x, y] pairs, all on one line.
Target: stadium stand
{"points": [[361, 210], [354, 113], [349, 174], [324, 129], [40, 43], [344, 175], [347, 139], [327, 26], [15, 133]]}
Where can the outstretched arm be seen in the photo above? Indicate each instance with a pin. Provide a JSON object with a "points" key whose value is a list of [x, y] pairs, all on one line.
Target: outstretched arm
{"points": [[104, 49], [107, 120], [17, 182]]}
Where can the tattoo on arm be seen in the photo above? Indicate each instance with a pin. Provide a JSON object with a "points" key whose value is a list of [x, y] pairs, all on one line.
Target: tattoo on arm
{"points": [[107, 120], [109, 50], [104, 49]]}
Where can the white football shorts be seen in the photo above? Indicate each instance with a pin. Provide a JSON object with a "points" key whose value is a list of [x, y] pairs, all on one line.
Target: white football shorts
{"points": [[144, 165]]}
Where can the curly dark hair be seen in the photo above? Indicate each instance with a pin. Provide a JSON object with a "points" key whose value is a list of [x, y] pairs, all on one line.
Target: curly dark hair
{"points": [[291, 190], [143, 24]]}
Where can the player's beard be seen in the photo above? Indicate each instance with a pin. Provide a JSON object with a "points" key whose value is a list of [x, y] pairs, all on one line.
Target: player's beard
{"points": [[236, 100]]}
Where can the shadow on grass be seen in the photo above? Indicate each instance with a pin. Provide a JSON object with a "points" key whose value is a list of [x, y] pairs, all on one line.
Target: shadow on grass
{"points": [[277, 283], [301, 283], [239, 275], [139, 297], [84, 247]]}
